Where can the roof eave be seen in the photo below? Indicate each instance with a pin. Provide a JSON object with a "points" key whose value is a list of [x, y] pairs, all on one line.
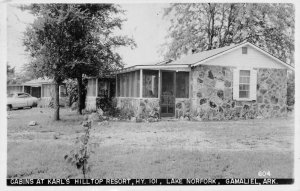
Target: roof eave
{"points": [[238, 46], [153, 67]]}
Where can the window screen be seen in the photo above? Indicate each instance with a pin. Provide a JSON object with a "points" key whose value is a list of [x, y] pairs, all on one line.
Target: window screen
{"points": [[48, 90], [103, 88], [92, 87], [150, 83], [182, 84], [62, 92], [128, 84]]}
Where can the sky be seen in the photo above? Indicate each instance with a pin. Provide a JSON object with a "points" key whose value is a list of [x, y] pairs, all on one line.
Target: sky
{"points": [[145, 24]]}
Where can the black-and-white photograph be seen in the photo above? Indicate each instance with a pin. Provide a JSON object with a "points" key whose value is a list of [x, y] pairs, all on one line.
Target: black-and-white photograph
{"points": [[149, 93]]}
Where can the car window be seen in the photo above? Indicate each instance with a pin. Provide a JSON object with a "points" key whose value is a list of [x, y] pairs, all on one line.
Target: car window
{"points": [[22, 95]]}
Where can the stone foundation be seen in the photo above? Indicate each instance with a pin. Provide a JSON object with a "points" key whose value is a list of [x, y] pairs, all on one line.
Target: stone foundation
{"points": [[139, 107], [90, 103], [48, 102], [182, 107]]}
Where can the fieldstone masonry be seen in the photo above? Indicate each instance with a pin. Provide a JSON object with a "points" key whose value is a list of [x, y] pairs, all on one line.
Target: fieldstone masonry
{"points": [[212, 97], [139, 107]]}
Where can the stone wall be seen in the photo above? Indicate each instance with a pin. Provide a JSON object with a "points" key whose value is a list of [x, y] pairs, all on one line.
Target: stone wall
{"points": [[272, 92], [130, 106], [183, 106], [212, 94], [49, 102], [139, 107]]}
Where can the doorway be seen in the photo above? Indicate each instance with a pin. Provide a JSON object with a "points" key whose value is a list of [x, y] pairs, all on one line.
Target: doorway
{"points": [[167, 99]]}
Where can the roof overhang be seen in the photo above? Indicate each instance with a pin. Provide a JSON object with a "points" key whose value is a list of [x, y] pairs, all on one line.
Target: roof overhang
{"points": [[174, 67], [239, 46]]}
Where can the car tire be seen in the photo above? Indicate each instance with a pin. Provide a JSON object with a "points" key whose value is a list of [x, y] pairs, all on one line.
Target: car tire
{"points": [[8, 107]]}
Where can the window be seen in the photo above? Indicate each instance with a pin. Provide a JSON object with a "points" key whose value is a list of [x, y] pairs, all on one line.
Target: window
{"points": [[128, 84], [103, 88], [62, 91], [244, 50], [91, 90], [150, 83], [118, 85], [244, 84], [22, 95], [48, 90], [182, 84]]}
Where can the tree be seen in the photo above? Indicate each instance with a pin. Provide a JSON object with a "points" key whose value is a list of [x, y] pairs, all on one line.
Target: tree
{"points": [[10, 74], [82, 40], [92, 43], [199, 27], [45, 41]]}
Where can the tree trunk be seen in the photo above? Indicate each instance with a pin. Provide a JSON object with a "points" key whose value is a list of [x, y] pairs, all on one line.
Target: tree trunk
{"points": [[56, 102], [79, 101]]}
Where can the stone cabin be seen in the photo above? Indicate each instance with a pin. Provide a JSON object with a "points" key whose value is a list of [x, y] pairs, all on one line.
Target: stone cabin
{"points": [[237, 81]]}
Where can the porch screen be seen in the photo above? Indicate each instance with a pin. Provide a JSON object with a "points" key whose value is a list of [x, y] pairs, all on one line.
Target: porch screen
{"points": [[182, 84], [103, 88], [62, 91], [48, 90], [128, 84], [91, 89], [150, 83]]}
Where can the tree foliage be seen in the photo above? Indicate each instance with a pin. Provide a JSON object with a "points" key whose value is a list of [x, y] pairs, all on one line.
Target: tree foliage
{"points": [[199, 27], [74, 40]]}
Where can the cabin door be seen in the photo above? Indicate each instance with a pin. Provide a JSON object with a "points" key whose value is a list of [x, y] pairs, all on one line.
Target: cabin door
{"points": [[167, 99]]}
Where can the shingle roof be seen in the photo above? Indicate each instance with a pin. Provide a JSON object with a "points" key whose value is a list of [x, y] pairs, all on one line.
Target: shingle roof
{"points": [[197, 57], [39, 81]]}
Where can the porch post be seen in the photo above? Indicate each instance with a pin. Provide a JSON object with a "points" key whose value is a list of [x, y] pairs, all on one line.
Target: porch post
{"points": [[190, 83], [159, 91], [141, 83], [174, 81], [23, 89], [159, 83], [42, 91], [96, 87]]}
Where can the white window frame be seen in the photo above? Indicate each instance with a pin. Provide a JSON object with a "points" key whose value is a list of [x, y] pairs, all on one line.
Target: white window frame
{"points": [[236, 84]]}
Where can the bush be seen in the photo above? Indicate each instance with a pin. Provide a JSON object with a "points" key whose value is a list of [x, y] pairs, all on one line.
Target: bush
{"points": [[72, 91], [291, 91]]}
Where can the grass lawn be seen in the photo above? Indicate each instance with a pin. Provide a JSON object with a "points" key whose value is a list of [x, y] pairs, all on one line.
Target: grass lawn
{"points": [[165, 149]]}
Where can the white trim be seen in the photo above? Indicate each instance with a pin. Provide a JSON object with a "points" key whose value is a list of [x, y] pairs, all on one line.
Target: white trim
{"points": [[237, 83], [182, 67], [97, 87], [143, 98], [241, 45], [159, 83], [141, 83]]}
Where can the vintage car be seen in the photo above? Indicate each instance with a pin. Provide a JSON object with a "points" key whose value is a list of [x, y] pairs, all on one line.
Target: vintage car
{"points": [[21, 100]]}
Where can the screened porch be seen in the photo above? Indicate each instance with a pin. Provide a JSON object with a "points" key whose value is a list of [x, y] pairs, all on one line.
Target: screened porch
{"points": [[161, 84]]}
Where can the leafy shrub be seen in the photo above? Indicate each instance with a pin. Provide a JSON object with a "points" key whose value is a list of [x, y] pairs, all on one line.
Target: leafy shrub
{"points": [[72, 91], [291, 91], [79, 156]]}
